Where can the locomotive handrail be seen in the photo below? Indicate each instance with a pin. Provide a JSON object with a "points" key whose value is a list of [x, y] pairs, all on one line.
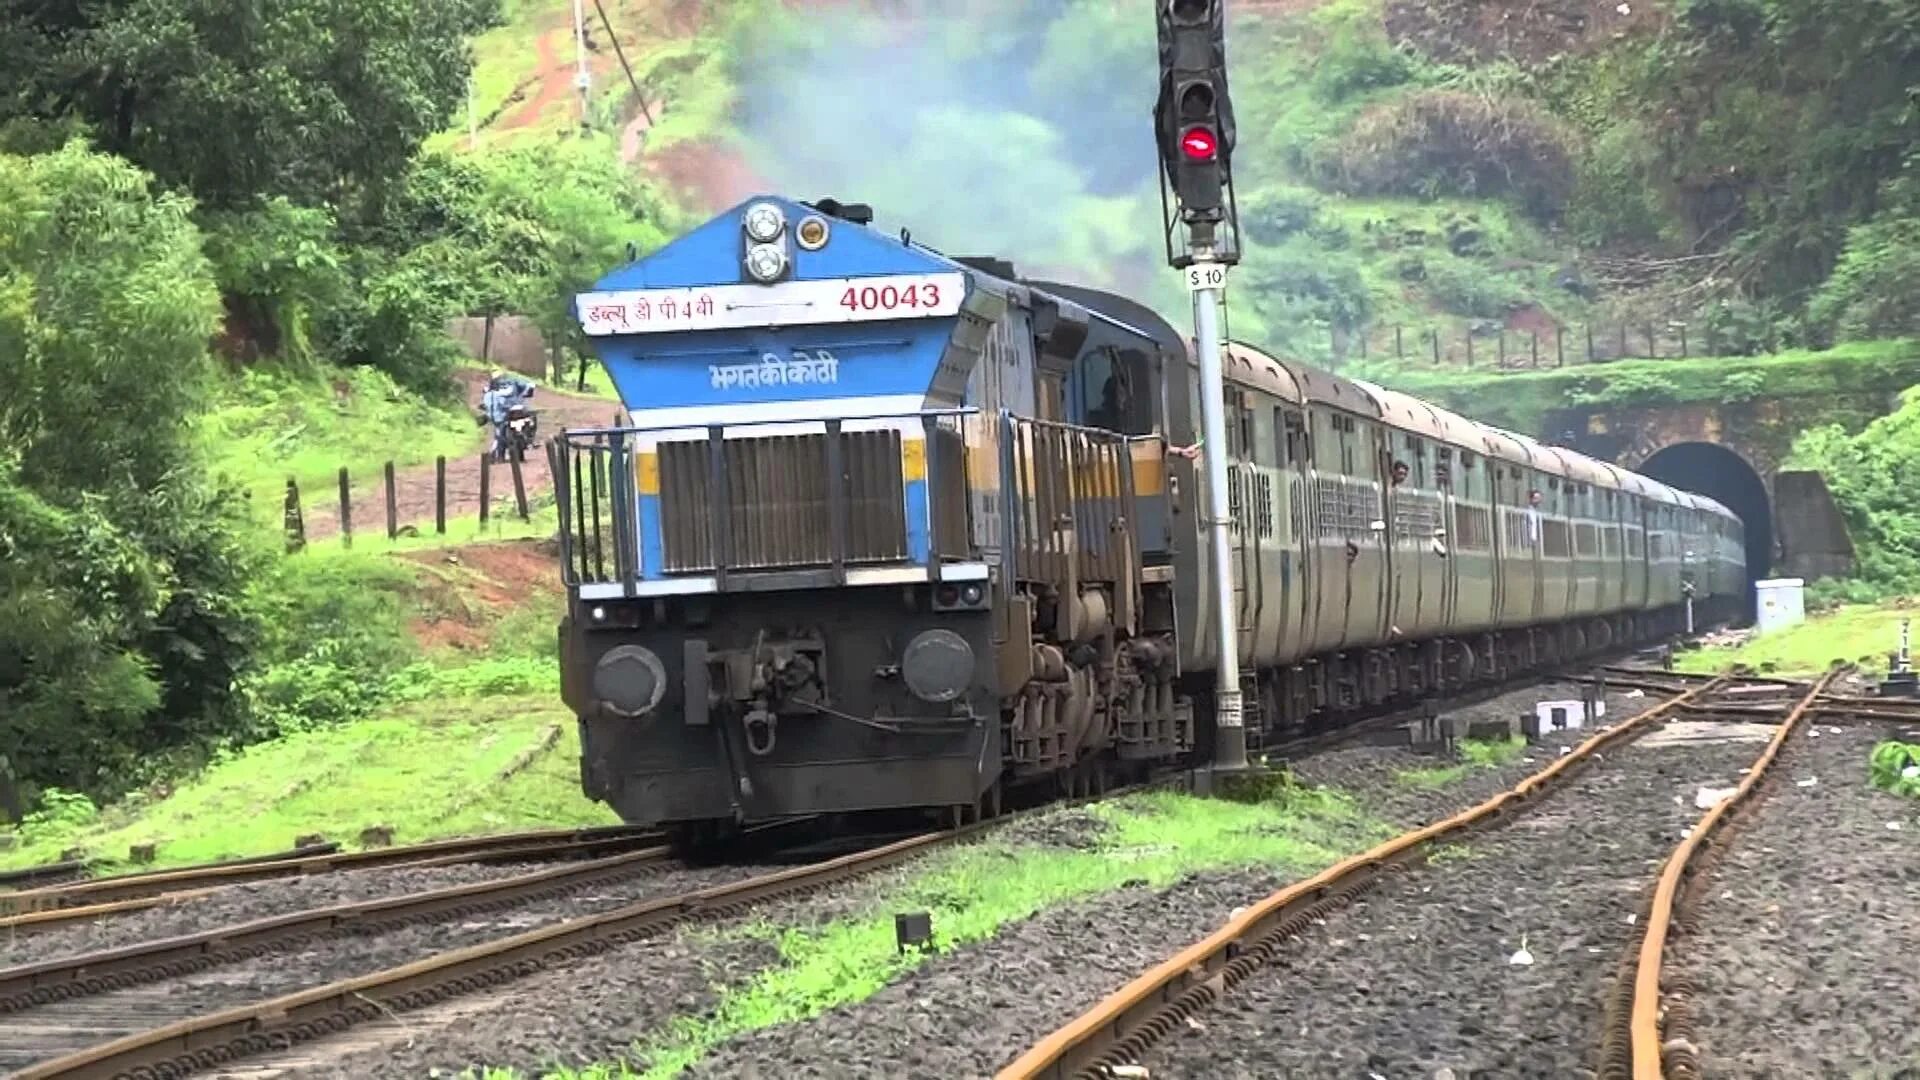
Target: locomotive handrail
{"points": [[937, 414], [594, 470]]}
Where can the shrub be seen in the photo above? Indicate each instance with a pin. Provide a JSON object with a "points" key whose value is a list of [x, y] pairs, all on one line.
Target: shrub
{"points": [[1874, 292], [1432, 143], [1614, 198], [1895, 767]]}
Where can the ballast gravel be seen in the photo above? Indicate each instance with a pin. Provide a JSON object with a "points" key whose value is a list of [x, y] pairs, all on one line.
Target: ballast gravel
{"points": [[962, 1014], [1807, 924], [233, 904], [66, 1025], [1495, 961]]}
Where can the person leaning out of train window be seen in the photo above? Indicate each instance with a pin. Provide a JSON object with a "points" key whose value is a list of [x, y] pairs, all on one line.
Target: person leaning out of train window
{"points": [[1191, 453], [1533, 517], [1399, 473]]}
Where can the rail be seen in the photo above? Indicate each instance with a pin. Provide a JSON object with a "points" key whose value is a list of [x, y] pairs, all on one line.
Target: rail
{"points": [[1126, 1022], [1645, 1019], [545, 843]]}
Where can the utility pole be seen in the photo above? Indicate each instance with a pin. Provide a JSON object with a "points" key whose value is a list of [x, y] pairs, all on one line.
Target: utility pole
{"points": [[1193, 122], [582, 81]]}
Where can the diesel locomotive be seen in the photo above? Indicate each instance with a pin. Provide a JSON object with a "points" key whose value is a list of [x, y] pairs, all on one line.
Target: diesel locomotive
{"points": [[889, 529]]}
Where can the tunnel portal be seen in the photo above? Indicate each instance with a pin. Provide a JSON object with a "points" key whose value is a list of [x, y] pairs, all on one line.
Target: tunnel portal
{"points": [[1725, 477]]}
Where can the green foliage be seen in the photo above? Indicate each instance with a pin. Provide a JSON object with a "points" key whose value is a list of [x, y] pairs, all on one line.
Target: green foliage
{"points": [[335, 638], [234, 100], [278, 264], [1448, 142], [1875, 289], [123, 578], [106, 305], [1616, 198], [1895, 767], [1871, 474], [1778, 121], [519, 231]]}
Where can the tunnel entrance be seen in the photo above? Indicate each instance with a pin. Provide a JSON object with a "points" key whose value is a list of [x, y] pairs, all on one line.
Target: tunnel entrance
{"points": [[1725, 477]]}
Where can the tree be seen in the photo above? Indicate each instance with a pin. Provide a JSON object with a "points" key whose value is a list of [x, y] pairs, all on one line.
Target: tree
{"points": [[106, 307], [124, 623], [233, 99]]}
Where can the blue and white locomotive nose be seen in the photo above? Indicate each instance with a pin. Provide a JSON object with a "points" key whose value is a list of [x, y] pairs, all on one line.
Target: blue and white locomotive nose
{"points": [[768, 321]]}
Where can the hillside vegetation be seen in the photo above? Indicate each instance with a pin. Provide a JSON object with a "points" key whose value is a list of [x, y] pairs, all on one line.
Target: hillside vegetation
{"points": [[1746, 164]]}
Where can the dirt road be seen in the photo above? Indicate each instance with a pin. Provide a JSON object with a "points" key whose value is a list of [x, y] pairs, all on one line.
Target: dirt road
{"points": [[414, 485]]}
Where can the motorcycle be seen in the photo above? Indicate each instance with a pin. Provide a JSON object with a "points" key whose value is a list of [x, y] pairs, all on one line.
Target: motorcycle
{"points": [[519, 434], [523, 432]]}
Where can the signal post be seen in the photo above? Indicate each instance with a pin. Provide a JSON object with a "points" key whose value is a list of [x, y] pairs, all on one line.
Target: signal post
{"points": [[1193, 124]]}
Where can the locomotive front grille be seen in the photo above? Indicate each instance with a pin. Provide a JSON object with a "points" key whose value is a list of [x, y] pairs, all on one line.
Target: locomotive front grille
{"points": [[776, 502]]}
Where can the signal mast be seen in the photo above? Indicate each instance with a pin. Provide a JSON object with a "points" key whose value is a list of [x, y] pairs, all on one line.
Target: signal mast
{"points": [[1193, 122]]}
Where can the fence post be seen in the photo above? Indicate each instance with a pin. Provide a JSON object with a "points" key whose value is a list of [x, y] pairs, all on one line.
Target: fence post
{"points": [[1363, 343], [1623, 342], [519, 485], [1435, 333], [1469, 348], [1503, 345], [440, 495], [486, 488], [292, 520], [393, 506], [1559, 346], [1536, 350], [1399, 345], [346, 509], [1683, 342], [1589, 343], [1653, 344]]}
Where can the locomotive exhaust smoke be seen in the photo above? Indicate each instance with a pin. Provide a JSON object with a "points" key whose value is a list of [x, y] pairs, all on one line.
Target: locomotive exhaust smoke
{"points": [[1018, 130]]}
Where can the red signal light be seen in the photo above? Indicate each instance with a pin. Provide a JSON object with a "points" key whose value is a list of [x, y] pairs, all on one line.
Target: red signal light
{"points": [[1199, 144]]}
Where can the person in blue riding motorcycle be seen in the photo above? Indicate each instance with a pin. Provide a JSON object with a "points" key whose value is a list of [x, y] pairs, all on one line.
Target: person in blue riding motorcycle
{"points": [[503, 393]]}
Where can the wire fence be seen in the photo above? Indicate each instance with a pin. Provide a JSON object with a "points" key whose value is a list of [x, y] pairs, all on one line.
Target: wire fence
{"points": [[1526, 349]]}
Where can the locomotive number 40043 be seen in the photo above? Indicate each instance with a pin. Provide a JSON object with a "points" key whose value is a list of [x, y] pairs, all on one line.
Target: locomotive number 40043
{"points": [[891, 297]]}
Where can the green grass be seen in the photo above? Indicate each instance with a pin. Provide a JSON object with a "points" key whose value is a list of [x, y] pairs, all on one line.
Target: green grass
{"points": [[1478, 754], [267, 425], [428, 769], [975, 890], [1863, 633]]}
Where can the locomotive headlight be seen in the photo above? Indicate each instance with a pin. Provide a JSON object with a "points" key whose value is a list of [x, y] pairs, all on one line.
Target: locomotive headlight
{"points": [[764, 221], [937, 666], [812, 233], [766, 262], [629, 681]]}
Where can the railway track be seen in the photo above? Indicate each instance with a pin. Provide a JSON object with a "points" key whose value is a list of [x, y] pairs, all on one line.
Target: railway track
{"points": [[1653, 1015], [48, 906], [80, 1022], [1129, 1026], [62, 1004]]}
